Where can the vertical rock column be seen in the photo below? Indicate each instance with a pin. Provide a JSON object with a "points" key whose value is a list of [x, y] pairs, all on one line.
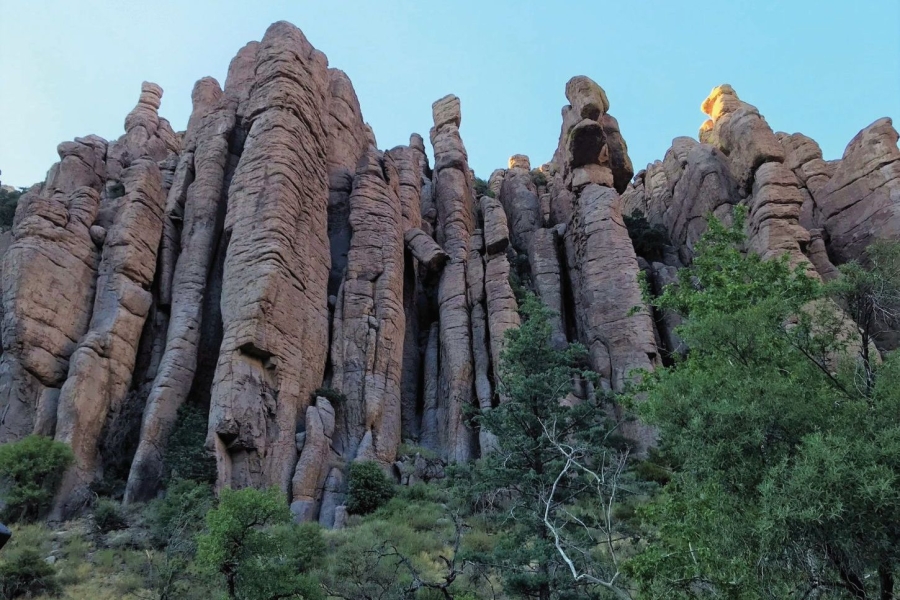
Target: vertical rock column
{"points": [[100, 370], [53, 249], [455, 223], [369, 321], [274, 309], [603, 267], [203, 164], [409, 163]]}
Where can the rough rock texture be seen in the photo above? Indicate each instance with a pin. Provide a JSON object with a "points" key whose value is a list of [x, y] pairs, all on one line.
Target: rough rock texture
{"points": [[274, 309], [425, 249], [455, 222], [861, 202], [545, 273], [741, 133], [604, 269], [101, 366], [314, 446], [369, 322], [271, 250], [520, 201], [199, 209], [52, 250]]}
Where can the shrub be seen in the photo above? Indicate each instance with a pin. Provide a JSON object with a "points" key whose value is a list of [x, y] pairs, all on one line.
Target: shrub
{"points": [[332, 395], [538, 178], [180, 513], [648, 241], [9, 200], [482, 189], [410, 450], [186, 455], [108, 516], [31, 471], [25, 573], [368, 488]]}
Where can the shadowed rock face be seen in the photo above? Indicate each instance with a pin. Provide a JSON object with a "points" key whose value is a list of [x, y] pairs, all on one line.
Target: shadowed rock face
{"points": [[325, 301]]}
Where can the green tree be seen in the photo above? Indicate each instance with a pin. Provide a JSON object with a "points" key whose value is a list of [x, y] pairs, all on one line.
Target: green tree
{"points": [[550, 484], [367, 488], [31, 470], [253, 545], [787, 473]]}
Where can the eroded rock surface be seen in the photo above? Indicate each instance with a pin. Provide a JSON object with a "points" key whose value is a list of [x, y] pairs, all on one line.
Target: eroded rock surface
{"points": [[323, 301]]}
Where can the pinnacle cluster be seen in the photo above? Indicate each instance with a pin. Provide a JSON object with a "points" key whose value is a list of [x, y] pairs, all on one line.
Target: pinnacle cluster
{"points": [[324, 301]]}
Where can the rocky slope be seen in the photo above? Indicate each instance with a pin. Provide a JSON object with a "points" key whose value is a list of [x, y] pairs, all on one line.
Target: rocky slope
{"points": [[272, 249]]}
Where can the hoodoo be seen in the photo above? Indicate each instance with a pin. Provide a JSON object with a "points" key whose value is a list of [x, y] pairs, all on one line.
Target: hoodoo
{"points": [[323, 301]]}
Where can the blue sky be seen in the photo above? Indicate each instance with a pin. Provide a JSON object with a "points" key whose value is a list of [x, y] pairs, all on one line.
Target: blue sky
{"points": [[826, 68]]}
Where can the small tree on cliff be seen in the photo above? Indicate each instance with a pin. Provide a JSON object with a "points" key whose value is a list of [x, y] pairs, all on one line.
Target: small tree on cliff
{"points": [[550, 485], [787, 465]]}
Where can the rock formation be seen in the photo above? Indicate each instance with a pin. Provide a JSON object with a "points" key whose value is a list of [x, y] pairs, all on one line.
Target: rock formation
{"points": [[322, 301]]}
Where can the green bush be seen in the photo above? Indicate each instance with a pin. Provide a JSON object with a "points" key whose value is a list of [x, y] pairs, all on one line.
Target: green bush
{"points": [[332, 395], [368, 488], [9, 200], [31, 471], [648, 241], [186, 455], [108, 516], [538, 178], [482, 189], [25, 573], [180, 513]]}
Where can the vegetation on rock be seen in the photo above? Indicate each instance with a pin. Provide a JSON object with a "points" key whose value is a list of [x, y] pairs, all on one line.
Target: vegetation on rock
{"points": [[31, 470]]}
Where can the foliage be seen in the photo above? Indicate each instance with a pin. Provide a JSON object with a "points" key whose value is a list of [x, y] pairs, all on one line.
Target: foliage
{"points": [[409, 548], [552, 462], [538, 178], [649, 241], [786, 477], [410, 450], [175, 520], [24, 573], [9, 200], [31, 470], [108, 516], [482, 189], [367, 488], [186, 456], [332, 395], [252, 544]]}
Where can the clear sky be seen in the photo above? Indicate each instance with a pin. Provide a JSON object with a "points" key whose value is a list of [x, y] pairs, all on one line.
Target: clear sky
{"points": [[826, 68]]}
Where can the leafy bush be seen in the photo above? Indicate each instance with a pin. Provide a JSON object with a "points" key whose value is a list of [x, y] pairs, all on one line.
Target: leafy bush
{"points": [[332, 395], [108, 516], [186, 455], [538, 178], [25, 573], [31, 471], [482, 189], [368, 488], [9, 200], [175, 520], [410, 450], [648, 241], [180, 513]]}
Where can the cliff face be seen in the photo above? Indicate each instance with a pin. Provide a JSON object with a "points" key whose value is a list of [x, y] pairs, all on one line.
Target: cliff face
{"points": [[272, 249]]}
